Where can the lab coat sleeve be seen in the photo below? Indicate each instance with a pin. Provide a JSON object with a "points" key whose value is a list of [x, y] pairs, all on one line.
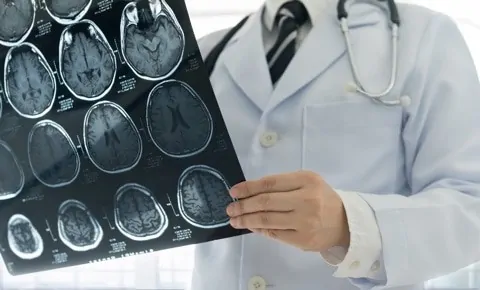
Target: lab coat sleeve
{"points": [[435, 230], [362, 258]]}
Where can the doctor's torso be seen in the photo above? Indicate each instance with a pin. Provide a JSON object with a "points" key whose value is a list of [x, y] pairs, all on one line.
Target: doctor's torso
{"points": [[311, 120]]}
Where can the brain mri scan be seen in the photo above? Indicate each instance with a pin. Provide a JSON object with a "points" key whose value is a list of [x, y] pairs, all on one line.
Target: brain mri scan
{"points": [[16, 21], [112, 140], [67, 11], [23, 238], [30, 85], [87, 61], [12, 177], [203, 197], [138, 215], [152, 40], [77, 227], [53, 157], [178, 121]]}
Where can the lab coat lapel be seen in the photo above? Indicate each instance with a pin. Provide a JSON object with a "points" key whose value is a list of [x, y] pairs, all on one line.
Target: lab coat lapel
{"points": [[323, 46], [246, 62]]}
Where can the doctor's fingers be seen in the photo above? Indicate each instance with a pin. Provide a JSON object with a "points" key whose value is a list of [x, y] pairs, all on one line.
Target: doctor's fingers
{"points": [[273, 183], [276, 201], [265, 220]]}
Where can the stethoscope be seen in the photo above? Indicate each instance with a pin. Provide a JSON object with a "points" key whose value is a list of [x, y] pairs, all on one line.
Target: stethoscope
{"points": [[342, 15], [359, 87]]}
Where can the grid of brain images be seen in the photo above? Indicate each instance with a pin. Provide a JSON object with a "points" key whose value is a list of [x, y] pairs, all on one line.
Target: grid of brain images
{"points": [[177, 121]]}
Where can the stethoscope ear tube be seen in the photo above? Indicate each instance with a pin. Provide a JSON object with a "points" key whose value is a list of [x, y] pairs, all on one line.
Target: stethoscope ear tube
{"points": [[394, 15], [341, 10]]}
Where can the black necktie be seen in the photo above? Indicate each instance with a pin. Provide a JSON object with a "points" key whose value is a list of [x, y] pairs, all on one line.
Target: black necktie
{"points": [[289, 18]]}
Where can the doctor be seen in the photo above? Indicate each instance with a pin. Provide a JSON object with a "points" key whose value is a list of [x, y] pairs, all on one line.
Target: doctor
{"points": [[344, 192]]}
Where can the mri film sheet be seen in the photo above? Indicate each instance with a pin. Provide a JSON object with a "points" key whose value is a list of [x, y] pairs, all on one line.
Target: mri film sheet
{"points": [[112, 143]]}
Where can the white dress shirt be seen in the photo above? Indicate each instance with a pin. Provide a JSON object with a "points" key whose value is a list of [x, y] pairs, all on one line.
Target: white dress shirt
{"points": [[362, 259]]}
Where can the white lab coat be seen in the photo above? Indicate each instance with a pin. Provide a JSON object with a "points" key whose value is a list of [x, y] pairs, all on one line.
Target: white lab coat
{"points": [[417, 167]]}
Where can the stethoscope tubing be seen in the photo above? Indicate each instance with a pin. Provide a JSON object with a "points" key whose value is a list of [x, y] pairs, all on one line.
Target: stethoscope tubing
{"points": [[395, 23]]}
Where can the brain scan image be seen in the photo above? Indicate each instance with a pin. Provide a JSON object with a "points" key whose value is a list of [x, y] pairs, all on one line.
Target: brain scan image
{"points": [[23, 238], [203, 197], [16, 21], [178, 121], [138, 215], [152, 40], [53, 157], [67, 12], [112, 140], [87, 61], [30, 85], [12, 176], [77, 227]]}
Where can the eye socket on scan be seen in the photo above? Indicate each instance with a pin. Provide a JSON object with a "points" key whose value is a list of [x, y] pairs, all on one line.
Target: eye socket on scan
{"points": [[132, 14], [68, 38], [91, 31], [152, 40]]}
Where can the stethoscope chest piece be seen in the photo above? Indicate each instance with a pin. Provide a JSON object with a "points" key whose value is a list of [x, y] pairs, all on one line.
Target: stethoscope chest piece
{"points": [[403, 101]]}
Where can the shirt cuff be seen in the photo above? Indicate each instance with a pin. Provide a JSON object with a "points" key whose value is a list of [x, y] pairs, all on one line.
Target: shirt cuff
{"points": [[363, 257]]}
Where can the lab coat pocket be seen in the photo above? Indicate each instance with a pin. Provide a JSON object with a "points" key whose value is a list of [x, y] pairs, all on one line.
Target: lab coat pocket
{"points": [[352, 142]]}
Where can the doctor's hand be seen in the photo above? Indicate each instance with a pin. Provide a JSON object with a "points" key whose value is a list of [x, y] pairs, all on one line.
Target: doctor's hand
{"points": [[298, 208]]}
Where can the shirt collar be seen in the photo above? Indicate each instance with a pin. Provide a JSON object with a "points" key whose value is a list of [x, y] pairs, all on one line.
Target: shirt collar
{"points": [[314, 7]]}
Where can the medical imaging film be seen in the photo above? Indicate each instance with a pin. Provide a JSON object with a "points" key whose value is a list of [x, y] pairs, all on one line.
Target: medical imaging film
{"points": [[112, 143]]}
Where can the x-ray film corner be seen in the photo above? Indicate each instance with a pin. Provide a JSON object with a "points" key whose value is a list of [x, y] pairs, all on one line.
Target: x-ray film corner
{"points": [[111, 140]]}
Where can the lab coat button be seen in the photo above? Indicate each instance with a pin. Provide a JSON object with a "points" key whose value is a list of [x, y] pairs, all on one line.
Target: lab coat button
{"points": [[355, 265], [351, 87], [257, 283], [268, 139], [375, 266]]}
